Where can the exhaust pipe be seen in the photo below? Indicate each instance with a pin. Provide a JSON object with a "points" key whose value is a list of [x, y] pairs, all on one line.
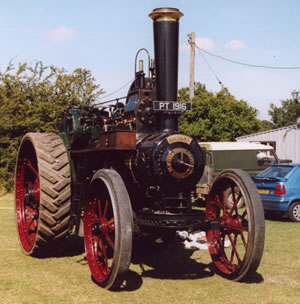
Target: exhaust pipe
{"points": [[166, 32]]}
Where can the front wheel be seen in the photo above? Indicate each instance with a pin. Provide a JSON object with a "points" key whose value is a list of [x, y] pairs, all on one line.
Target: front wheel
{"points": [[108, 229], [236, 239]]}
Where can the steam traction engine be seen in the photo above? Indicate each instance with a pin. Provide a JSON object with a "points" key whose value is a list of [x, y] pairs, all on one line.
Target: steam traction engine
{"points": [[124, 169]]}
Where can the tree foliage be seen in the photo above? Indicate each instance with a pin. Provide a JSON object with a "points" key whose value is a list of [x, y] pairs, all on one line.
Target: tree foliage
{"points": [[217, 117], [288, 112], [34, 99], [266, 125]]}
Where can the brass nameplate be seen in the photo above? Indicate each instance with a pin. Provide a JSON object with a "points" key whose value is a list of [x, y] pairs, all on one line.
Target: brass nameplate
{"points": [[179, 137]]}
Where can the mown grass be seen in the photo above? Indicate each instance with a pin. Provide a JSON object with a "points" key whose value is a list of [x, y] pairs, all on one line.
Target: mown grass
{"points": [[157, 275]]}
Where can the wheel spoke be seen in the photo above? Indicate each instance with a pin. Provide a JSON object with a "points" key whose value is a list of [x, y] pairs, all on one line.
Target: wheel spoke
{"points": [[110, 222], [234, 249], [235, 203], [99, 208], [243, 239], [105, 208], [218, 203], [30, 166], [109, 241], [105, 265]]}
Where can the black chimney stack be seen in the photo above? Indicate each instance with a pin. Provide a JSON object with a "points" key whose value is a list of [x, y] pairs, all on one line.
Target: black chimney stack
{"points": [[166, 32]]}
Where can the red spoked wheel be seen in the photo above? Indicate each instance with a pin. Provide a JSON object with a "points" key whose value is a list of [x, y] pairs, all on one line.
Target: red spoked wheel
{"points": [[108, 229], [236, 239], [27, 202], [42, 193]]}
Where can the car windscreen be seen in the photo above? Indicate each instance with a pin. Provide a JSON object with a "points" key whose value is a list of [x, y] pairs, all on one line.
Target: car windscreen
{"points": [[276, 171]]}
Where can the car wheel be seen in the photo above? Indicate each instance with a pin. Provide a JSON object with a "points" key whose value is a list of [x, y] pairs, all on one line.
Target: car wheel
{"points": [[231, 196], [294, 212]]}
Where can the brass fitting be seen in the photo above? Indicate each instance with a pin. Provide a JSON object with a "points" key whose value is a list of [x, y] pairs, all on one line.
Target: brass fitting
{"points": [[165, 14]]}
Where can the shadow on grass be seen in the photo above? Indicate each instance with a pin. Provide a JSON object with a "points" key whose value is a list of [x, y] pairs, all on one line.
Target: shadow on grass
{"points": [[73, 246], [254, 279], [276, 216], [68, 248], [133, 281], [169, 261]]}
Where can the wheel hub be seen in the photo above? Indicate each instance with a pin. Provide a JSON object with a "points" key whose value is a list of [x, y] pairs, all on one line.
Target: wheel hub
{"points": [[32, 196], [231, 223], [103, 226]]}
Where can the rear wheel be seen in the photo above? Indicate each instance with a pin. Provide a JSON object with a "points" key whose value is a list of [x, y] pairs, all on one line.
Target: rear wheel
{"points": [[108, 229], [42, 193], [236, 239], [294, 212]]}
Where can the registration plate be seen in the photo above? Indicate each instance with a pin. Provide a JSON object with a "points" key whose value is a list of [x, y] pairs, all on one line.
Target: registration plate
{"points": [[172, 106], [263, 191]]}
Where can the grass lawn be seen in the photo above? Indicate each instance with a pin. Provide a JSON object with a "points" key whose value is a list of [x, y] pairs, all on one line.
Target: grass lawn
{"points": [[157, 275]]}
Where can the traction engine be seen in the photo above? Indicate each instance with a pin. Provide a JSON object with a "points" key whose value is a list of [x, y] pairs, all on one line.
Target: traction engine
{"points": [[123, 170]]}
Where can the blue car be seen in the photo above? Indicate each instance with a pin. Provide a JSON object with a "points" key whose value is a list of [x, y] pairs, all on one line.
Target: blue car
{"points": [[279, 188]]}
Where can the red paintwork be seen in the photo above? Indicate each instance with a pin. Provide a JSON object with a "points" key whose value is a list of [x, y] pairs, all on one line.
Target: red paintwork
{"points": [[99, 233], [234, 227], [27, 211]]}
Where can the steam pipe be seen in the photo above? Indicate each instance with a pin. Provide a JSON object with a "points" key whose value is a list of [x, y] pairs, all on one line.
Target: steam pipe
{"points": [[166, 32]]}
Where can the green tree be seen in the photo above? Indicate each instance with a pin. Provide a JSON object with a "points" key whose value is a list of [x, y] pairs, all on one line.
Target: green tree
{"points": [[217, 117], [288, 112], [266, 125], [34, 99]]}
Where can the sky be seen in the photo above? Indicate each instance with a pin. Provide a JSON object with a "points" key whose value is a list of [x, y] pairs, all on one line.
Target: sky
{"points": [[104, 37]]}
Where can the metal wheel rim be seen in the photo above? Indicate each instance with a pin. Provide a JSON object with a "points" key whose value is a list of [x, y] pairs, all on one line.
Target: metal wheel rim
{"points": [[27, 194], [296, 212]]}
